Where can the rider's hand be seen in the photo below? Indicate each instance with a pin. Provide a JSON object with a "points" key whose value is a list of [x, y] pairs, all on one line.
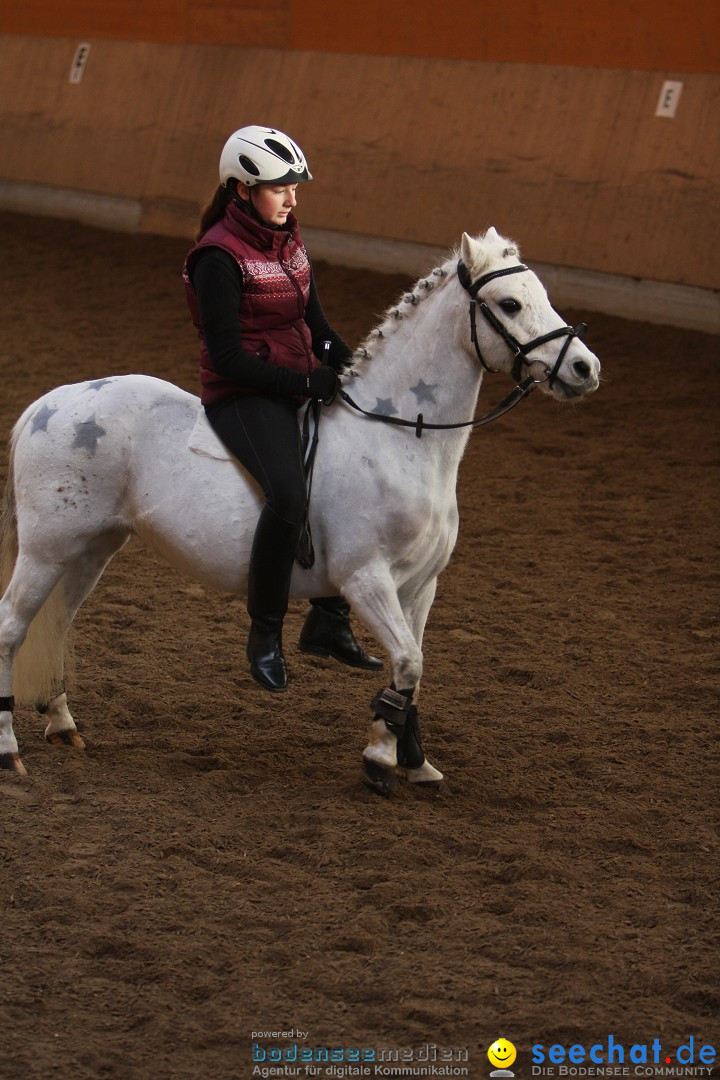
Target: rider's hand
{"points": [[322, 384]]}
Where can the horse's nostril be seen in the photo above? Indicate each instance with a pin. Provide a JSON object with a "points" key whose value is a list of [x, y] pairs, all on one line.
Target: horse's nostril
{"points": [[582, 368]]}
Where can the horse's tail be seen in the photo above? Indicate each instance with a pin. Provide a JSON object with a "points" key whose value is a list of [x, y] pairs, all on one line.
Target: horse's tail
{"points": [[39, 665]]}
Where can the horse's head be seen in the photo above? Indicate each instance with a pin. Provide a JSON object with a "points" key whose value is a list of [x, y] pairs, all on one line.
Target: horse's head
{"points": [[514, 328]]}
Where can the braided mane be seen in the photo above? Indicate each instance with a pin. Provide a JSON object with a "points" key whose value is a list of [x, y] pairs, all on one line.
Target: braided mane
{"points": [[404, 308], [407, 305]]}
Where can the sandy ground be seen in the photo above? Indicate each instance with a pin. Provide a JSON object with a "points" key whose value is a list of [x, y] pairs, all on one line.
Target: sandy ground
{"points": [[214, 866]]}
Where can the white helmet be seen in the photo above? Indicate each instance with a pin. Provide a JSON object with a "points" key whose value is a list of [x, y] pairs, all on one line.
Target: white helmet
{"points": [[261, 155]]}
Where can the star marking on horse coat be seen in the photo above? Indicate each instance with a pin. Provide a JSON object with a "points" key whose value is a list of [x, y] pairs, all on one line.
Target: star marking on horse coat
{"points": [[87, 434], [40, 419], [385, 405], [424, 392], [98, 384]]}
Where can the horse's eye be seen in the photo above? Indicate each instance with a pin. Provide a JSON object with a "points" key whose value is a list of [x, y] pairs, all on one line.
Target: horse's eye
{"points": [[510, 306]]}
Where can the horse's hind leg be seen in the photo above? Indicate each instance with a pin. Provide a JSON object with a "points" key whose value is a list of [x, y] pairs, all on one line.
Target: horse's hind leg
{"points": [[79, 581], [30, 587], [60, 730]]}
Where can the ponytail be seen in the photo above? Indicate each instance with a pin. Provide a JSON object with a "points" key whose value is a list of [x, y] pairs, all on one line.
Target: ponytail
{"points": [[214, 211]]}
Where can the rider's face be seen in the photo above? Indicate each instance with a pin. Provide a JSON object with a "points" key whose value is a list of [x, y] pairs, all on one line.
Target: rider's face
{"points": [[273, 202]]}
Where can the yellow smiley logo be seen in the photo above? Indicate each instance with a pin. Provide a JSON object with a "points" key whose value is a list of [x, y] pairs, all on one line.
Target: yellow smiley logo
{"points": [[502, 1053]]}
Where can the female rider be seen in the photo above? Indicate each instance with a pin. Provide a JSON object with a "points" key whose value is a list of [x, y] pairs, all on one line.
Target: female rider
{"points": [[254, 302]]}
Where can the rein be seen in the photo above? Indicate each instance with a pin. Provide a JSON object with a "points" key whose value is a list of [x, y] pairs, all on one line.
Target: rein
{"points": [[520, 391], [305, 554], [516, 395]]}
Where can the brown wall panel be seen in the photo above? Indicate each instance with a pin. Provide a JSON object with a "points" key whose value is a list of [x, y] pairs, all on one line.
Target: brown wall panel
{"points": [[99, 135], [639, 34], [216, 22], [136, 20], [217, 93], [636, 34], [571, 162], [238, 22]]}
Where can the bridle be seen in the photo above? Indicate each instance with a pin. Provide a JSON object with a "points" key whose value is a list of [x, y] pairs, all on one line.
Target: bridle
{"points": [[522, 388], [521, 352]]}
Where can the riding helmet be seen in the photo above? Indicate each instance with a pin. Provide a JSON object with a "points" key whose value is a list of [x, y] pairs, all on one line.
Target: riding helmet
{"points": [[262, 155]]}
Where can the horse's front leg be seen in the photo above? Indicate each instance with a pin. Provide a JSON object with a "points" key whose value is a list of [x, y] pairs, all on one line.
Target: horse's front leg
{"points": [[394, 732], [412, 763]]}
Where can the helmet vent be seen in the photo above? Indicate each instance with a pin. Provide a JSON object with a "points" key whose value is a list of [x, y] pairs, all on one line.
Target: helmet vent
{"points": [[248, 165], [283, 152]]}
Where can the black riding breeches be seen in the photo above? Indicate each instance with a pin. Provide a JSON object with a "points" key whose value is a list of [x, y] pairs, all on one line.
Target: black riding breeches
{"points": [[262, 433]]}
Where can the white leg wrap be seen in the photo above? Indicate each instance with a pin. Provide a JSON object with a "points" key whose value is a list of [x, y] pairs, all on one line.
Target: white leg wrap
{"points": [[8, 742], [59, 717], [426, 774], [382, 748]]}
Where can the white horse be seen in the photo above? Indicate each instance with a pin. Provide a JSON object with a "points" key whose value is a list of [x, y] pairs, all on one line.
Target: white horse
{"points": [[97, 462]]}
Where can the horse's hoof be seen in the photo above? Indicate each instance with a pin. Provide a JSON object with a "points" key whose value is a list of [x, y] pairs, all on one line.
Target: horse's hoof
{"points": [[380, 779], [69, 737], [427, 785], [12, 763]]}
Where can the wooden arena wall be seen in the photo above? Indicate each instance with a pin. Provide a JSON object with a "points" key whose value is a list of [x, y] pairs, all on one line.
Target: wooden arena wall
{"points": [[419, 120]]}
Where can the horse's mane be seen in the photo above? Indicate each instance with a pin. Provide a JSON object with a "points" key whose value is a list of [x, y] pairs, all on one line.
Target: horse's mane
{"points": [[497, 247]]}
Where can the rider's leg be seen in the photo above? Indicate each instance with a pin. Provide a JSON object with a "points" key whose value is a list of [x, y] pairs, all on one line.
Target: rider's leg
{"points": [[263, 434], [271, 564]]}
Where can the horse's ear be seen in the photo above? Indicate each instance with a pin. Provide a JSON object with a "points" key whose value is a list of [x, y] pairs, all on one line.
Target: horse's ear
{"points": [[469, 251], [474, 254]]}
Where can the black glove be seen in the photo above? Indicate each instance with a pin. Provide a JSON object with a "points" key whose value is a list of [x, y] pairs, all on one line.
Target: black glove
{"points": [[322, 384]]}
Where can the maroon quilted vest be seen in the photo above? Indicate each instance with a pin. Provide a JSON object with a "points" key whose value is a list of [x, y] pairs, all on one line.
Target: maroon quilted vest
{"points": [[276, 286]]}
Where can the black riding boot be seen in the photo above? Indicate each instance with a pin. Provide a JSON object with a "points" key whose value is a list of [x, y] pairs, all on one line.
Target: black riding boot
{"points": [[271, 564], [327, 632]]}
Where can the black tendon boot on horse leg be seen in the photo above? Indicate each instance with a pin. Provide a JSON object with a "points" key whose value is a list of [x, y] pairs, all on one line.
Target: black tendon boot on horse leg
{"points": [[381, 757], [395, 744], [327, 632], [271, 564]]}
